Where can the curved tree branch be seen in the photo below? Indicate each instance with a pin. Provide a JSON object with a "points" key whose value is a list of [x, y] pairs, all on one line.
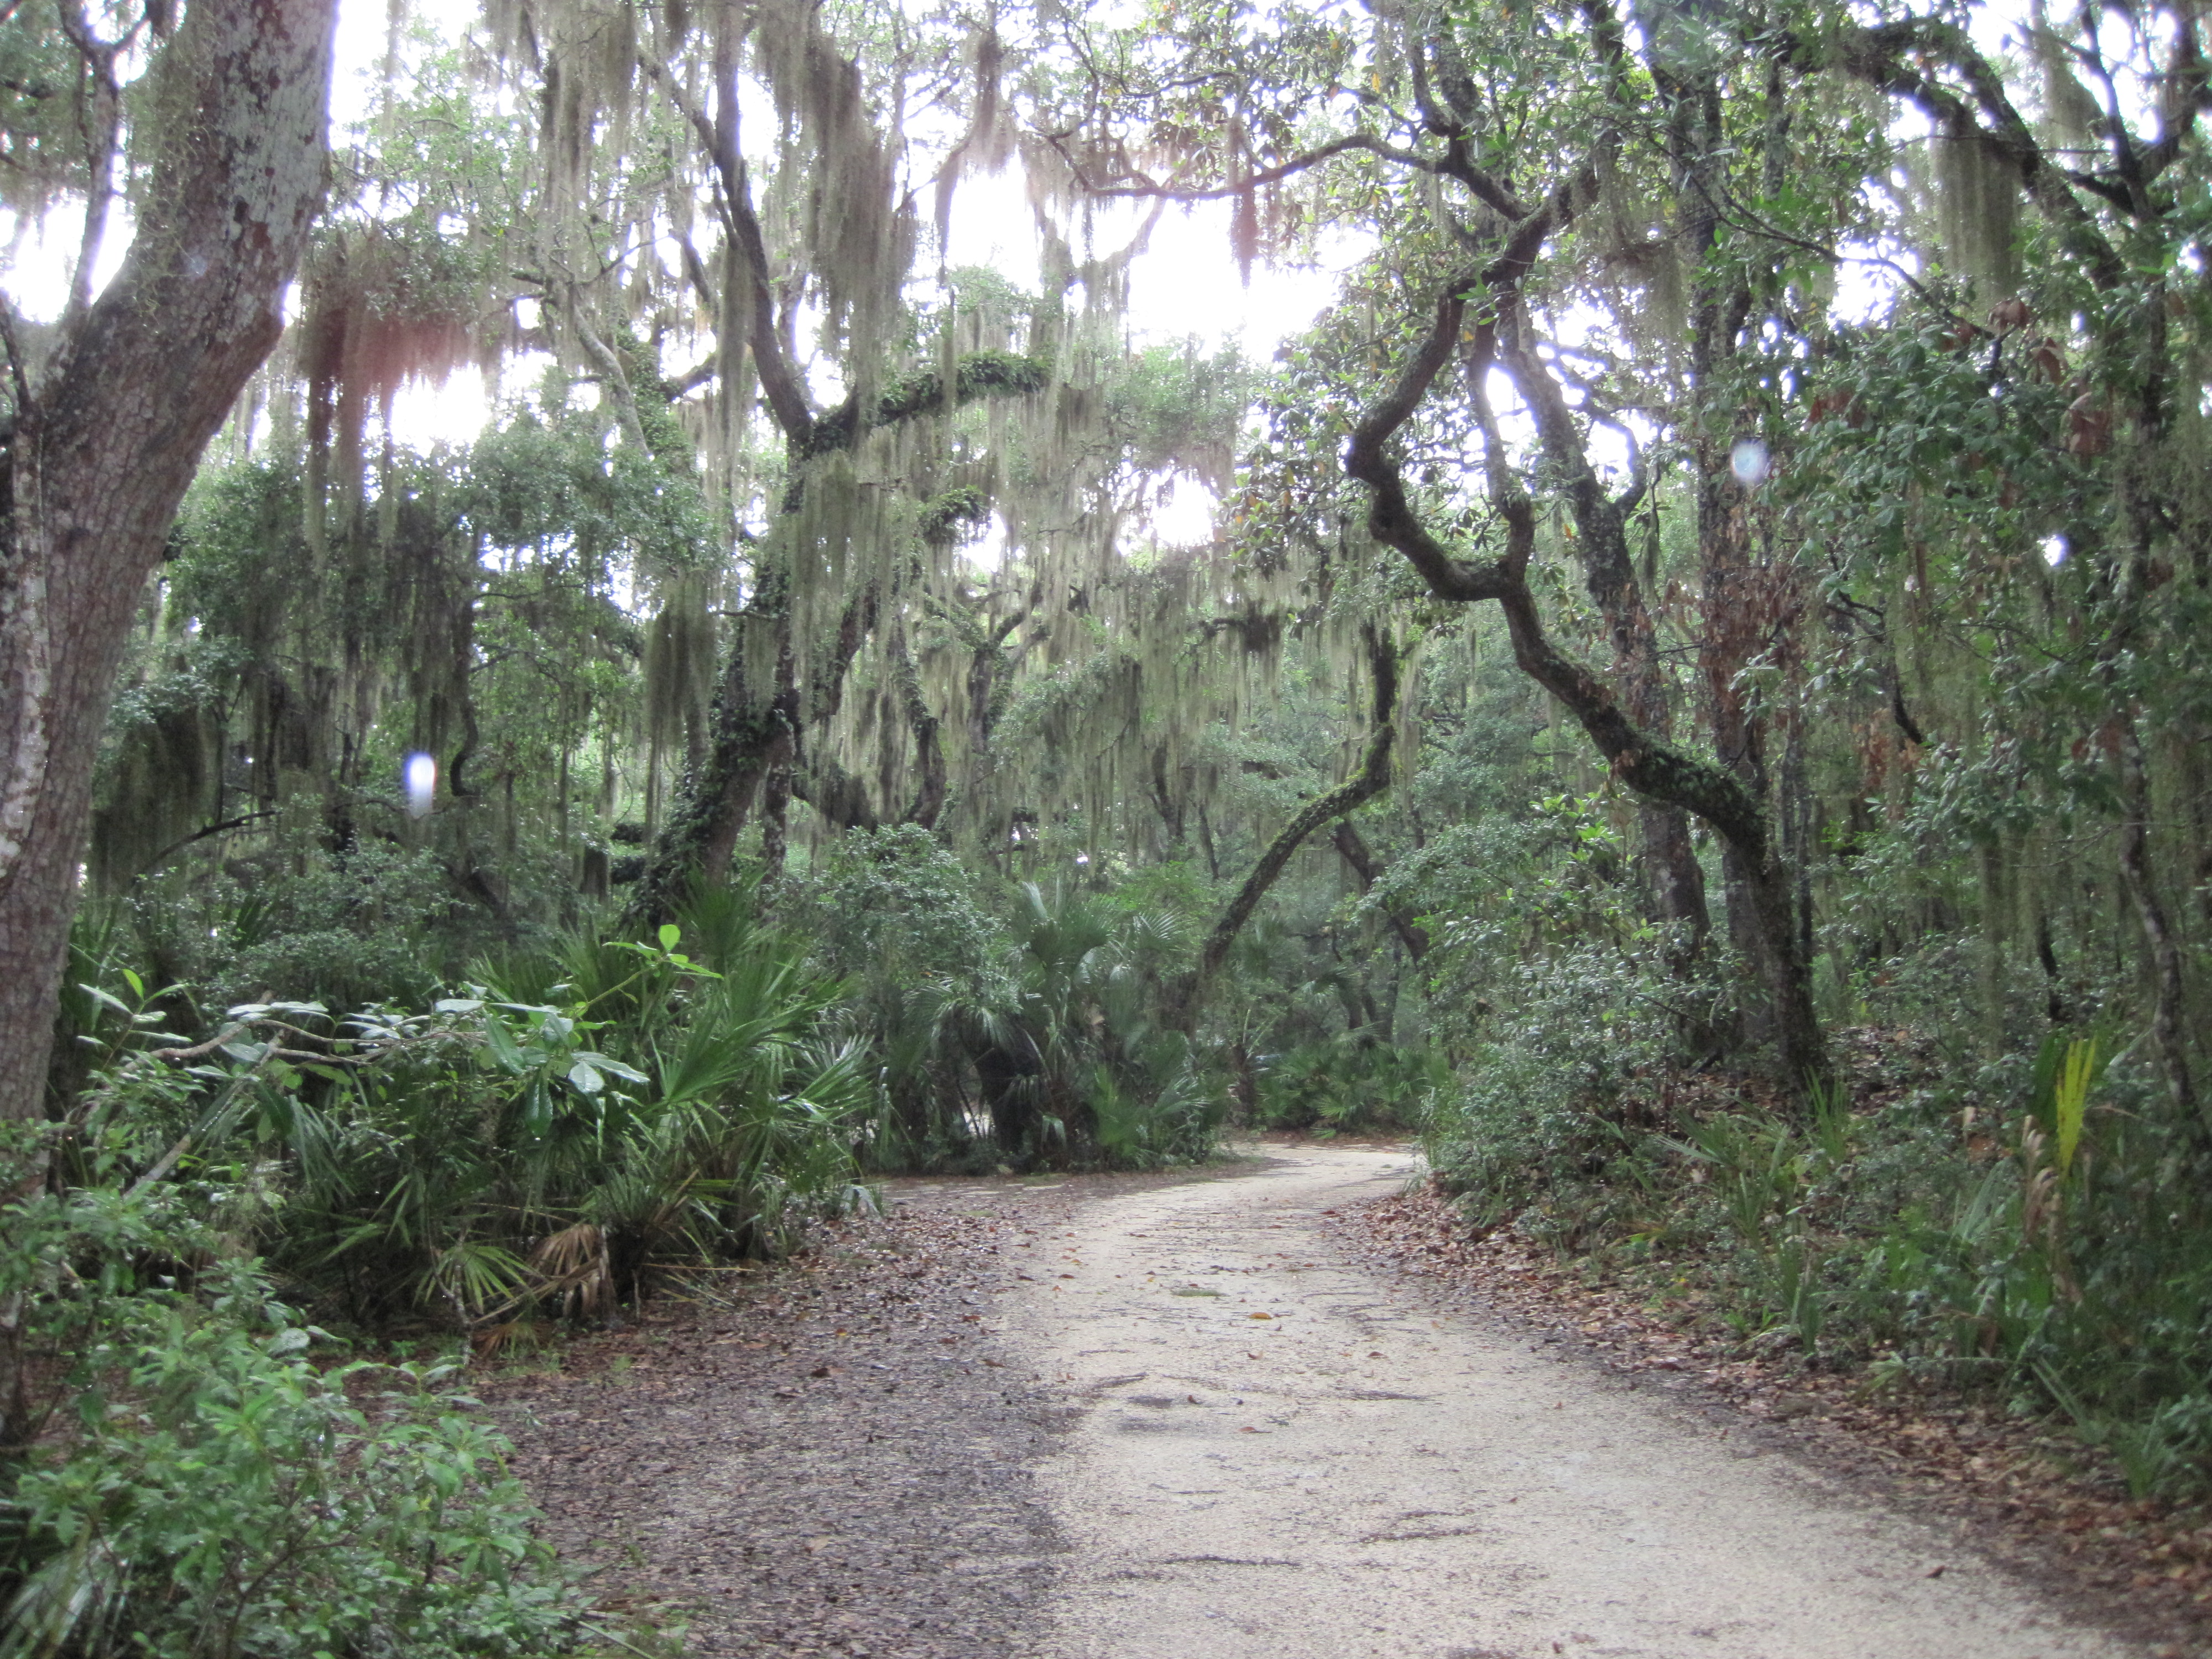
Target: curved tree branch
{"points": [[1897, 58], [1372, 778], [1353, 848], [780, 380]]}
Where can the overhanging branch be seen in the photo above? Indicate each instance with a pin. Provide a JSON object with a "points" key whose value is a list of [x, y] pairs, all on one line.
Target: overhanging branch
{"points": [[1372, 778]]}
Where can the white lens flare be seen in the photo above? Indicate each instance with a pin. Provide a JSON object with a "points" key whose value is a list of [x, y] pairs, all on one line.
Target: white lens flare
{"points": [[1748, 461], [420, 776]]}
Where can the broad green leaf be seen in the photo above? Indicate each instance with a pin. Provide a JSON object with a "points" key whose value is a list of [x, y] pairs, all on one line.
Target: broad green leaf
{"points": [[504, 1049]]}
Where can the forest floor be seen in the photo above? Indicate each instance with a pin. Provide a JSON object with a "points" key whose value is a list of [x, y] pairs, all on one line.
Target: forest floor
{"points": [[1270, 1408]]}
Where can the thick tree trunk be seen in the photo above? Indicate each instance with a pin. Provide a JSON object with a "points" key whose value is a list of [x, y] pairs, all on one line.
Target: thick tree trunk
{"points": [[933, 786], [746, 739], [753, 737], [107, 433], [1737, 624]]}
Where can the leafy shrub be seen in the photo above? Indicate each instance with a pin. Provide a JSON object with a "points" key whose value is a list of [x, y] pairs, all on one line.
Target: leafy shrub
{"points": [[202, 1487], [1350, 1084], [899, 918], [1095, 1071], [1556, 1090], [2036, 1230], [1174, 1114], [1033, 1039], [496, 1149], [365, 926]]}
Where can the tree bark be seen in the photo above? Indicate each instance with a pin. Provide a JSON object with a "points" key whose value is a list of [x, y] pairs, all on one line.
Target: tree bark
{"points": [[2169, 1038], [928, 751], [107, 433], [1677, 884]]}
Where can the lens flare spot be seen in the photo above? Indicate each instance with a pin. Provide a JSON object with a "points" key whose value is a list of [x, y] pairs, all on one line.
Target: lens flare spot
{"points": [[1748, 461], [420, 773]]}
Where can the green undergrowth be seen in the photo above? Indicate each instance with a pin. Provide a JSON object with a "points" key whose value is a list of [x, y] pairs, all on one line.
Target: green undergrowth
{"points": [[197, 1470], [1023, 1028], [191, 1464], [1350, 1084], [2037, 1235], [537, 1137]]}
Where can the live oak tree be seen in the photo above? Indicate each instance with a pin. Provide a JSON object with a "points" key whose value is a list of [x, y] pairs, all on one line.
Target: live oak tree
{"points": [[1635, 236], [748, 306], [217, 152], [1473, 180]]}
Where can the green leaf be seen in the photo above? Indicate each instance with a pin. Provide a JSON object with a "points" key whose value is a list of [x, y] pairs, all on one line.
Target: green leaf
{"points": [[106, 998], [670, 932], [614, 1067], [504, 1049]]}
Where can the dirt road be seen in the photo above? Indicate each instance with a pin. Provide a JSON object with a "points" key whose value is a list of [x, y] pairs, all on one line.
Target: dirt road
{"points": [[1047, 1419], [1280, 1455]]}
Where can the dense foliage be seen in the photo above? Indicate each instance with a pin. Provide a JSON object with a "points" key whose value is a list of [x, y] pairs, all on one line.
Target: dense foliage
{"points": [[1696, 702]]}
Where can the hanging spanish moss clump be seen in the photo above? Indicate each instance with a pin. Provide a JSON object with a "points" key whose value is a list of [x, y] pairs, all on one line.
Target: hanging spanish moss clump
{"points": [[160, 786], [1977, 204], [2072, 116], [990, 140], [678, 687], [384, 304], [857, 609], [430, 583], [837, 183], [1639, 260], [719, 424], [583, 57]]}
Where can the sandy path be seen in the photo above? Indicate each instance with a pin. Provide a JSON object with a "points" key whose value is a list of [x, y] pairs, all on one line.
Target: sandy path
{"points": [[1350, 1476]]}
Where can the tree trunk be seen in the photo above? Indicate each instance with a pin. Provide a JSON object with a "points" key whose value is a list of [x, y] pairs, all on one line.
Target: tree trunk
{"points": [[1655, 769], [107, 433], [933, 786], [1676, 884], [2169, 1034], [1353, 848]]}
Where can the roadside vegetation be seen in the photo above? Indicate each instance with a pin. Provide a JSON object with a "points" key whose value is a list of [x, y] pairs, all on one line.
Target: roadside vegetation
{"points": [[1693, 698]]}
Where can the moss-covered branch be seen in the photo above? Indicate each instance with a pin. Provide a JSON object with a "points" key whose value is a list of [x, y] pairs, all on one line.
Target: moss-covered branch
{"points": [[1655, 769], [980, 374]]}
